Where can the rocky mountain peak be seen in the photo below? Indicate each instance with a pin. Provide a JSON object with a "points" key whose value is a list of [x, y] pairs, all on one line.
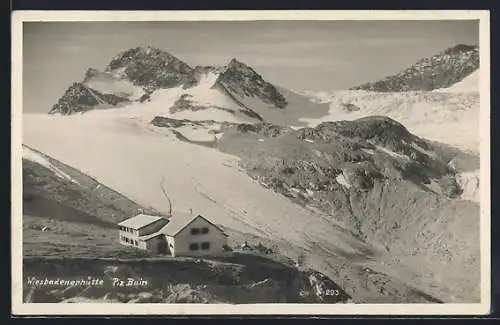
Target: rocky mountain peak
{"points": [[78, 99], [137, 54], [135, 73], [151, 68], [441, 70], [235, 64], [240, 79], [75, 99]]}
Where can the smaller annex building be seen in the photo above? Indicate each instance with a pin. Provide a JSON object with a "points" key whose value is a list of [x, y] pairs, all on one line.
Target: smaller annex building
{"points": [[179, 235]]}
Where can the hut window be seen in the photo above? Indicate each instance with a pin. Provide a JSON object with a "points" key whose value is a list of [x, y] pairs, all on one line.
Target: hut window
{"points": [[195, 231], [193, 247], [205, 246], [204, 230]]}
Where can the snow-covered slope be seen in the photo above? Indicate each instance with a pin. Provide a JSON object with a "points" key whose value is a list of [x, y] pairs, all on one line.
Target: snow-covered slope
{"points": [[468, 84], [437, 98], [469, 182], [448, 117], [202, 102]]}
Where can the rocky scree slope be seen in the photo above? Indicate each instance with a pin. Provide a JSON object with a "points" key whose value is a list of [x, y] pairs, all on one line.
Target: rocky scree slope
{"points": [[438, 71]]}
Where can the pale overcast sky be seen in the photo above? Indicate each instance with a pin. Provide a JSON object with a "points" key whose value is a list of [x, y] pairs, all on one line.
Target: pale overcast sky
{"points": [[312, 55]]}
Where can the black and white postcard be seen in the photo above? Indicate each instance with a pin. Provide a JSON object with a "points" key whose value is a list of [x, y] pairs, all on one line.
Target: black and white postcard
{"points": [[250, 162]]}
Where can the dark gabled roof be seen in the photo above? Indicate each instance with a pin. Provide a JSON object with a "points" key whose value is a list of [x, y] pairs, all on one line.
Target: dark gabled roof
{"points": [[180, 221]]}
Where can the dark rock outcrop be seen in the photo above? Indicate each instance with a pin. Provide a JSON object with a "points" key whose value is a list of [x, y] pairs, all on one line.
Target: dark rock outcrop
{"points": [[264, 129], [78, 99]]}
